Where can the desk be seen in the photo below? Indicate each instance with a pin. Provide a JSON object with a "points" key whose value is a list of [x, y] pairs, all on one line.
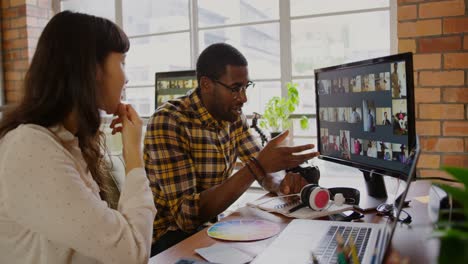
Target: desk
{"points": [[413, 241]]}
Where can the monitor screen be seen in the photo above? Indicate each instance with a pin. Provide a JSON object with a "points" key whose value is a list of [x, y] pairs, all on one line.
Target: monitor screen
{"points": [[170, 85], [366, 114]]}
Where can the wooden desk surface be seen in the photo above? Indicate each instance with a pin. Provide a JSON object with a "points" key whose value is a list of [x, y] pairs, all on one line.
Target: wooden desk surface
{"points": [[412, 241]]}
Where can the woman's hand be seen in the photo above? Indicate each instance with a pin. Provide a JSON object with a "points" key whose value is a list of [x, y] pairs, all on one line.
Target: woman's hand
{"points": [[129, 124]]}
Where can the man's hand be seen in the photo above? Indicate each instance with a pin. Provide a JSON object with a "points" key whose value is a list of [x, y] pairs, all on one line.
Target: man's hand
{"points": [[274, 157], [292, 183]]}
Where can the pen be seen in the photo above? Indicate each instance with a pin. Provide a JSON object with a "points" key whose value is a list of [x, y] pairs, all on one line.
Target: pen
{"points": [[376, 249], [354, 255], [297, 207], [314, 258], [340, 250]]}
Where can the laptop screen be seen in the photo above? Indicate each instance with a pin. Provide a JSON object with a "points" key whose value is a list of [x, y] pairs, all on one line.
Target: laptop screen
{"points": [[391, 225]]}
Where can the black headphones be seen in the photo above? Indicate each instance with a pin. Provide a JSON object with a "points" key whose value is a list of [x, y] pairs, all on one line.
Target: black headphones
{"points": [[317, 198]]}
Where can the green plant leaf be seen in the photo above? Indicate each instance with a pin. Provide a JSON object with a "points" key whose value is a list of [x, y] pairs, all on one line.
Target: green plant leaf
{"points": [[453, 249], [459, 195], [454, 235], [278, 110], [462, 225], [451, 232], [461, 174], [304, 122]]}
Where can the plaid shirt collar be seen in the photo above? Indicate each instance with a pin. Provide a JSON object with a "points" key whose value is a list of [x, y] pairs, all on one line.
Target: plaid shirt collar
{"points": [[203, 115]]}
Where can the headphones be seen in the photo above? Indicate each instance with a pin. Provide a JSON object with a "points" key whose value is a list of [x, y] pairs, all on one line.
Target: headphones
{"points": [[317, 198]]}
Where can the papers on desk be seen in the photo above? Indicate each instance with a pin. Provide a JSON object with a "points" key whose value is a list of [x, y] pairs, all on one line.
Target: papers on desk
{"points": [[283, 206], [223, 254]]}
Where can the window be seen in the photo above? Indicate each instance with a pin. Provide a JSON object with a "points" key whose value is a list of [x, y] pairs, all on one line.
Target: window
{"points": [[103, 8], [253, 27], [283, 40], [159, 33], [327, 33]]}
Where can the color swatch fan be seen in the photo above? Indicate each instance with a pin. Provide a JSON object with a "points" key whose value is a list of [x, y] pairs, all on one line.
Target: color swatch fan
{"points": [[243, 230]]}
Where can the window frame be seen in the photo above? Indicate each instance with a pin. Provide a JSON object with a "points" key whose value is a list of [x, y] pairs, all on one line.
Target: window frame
{"points": [[284, 21]]}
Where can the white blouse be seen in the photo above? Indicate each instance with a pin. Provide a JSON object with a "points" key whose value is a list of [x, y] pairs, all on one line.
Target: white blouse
{"points": [[51, 211]]}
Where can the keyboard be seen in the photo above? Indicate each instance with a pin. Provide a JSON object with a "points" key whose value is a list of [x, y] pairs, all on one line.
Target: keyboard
{"points": [[326, 252]]}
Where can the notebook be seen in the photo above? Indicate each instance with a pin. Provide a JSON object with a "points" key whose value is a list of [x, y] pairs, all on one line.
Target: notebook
{"points": [[303, 238], [283, 206]]}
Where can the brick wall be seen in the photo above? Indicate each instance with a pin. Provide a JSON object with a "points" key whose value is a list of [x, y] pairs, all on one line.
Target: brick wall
{"points": [[437, 33], [22, 22]]}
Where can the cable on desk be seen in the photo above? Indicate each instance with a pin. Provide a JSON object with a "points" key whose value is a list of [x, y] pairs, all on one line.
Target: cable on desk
{"points": [[434, 178]]}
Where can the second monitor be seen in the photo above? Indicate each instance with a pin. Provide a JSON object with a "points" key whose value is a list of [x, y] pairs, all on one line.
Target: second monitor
{"points": [[366, 117], [173, 84]]}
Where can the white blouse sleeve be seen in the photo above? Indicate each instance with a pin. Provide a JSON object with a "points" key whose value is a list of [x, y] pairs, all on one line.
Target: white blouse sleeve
{"points": [[43, 192]]}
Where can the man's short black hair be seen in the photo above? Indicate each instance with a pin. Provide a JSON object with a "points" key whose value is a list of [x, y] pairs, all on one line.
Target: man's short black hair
{"points": [[213, 60]]}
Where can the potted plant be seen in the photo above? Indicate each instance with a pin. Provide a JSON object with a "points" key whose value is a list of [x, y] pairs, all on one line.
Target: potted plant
{"points": [[454, 234], [278, 110]]}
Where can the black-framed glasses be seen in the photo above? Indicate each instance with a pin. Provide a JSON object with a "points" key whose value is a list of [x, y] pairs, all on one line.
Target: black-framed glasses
{"points": [[236, 90], [389, 211]]}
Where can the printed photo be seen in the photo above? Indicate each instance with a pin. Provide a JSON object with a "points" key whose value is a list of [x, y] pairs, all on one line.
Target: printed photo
{"points": [[323, 114], [333, 143], [357, 146], [382, 82], [345, 144], [343, 114], [164, 98], [398, 79], [368, 108], [172, 84], [355, 115], [345, 83], [163, 85], [332, 114], [369, 83], [334, 86], [384, 116], [384, 150], [371, 149], [400, 117], [400, 153], [324, 87], [388, 155], [355, 84], [324, 139]]}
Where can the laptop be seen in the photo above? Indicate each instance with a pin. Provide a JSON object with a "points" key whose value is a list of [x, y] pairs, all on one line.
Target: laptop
{"points": [[303, 237]]}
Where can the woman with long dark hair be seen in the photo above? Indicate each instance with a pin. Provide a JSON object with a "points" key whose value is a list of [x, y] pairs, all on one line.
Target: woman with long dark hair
{"points": [[57, 200]]}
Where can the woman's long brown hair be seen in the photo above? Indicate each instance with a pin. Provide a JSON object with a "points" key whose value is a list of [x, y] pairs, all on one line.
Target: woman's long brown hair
{"points": [[62, 79]]}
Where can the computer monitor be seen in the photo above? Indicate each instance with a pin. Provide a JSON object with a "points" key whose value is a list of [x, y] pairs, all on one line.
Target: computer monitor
{"points": [[366, 117], [173, 84]]}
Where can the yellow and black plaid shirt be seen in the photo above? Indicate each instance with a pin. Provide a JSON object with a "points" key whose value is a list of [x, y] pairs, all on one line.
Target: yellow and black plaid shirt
{"points": [[186, 152]]}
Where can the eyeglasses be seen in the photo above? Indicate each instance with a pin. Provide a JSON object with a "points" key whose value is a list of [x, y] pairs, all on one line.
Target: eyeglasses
{"points": [[389, 211], [236, 90]]}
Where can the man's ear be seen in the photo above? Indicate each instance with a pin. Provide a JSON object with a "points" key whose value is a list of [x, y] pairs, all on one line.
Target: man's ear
{"points": [[206, 85]]}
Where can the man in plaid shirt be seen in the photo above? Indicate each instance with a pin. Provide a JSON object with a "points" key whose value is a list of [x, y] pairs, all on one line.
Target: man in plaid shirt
{"points": [[192, 144]]}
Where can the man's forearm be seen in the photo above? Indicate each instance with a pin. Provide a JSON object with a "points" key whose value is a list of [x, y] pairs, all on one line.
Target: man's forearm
{"points": [[216, 199]]}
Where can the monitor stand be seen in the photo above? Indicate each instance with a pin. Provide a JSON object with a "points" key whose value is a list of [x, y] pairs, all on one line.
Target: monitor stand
{"points": [[376, 191]]}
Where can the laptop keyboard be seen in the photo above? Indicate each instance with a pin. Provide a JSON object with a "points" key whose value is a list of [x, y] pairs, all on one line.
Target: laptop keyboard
{"points": [[326, 252]]}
